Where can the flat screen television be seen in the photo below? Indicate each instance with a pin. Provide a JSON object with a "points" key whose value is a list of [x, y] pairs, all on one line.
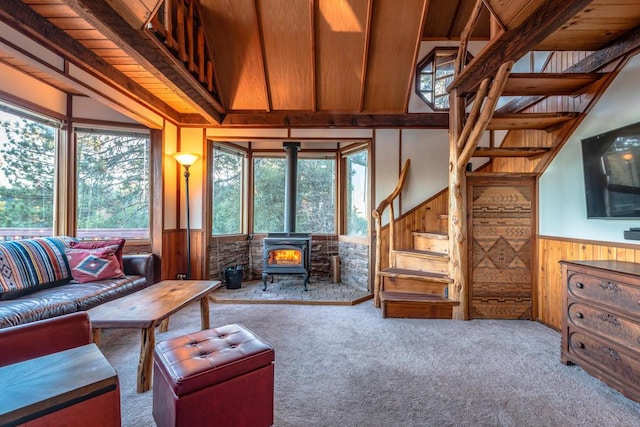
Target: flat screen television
{"points": [[611, 163]]}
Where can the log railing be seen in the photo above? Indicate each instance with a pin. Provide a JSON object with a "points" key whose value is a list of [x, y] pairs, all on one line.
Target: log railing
{"points": [[377, 214], [179, 24]]}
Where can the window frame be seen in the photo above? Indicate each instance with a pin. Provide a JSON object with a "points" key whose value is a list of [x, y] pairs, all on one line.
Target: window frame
{"points": [[343, 149], [308, 154], [116, 129], [430, 58], [36, 114], [245, 154], [345, 152]]}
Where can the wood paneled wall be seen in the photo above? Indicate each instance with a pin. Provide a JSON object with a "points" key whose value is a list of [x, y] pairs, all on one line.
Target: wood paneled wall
{"points": [[424, 217], [549, 282], [174, 258]]}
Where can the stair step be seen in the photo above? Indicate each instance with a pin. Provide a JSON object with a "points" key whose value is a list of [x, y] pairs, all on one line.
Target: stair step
{"points": [[416, 305], [416, 275], [401, 280], [431, 234], [420, 261], [432, 242]]}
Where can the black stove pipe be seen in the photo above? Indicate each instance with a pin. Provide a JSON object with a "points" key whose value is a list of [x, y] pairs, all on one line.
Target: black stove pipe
{"points": [[290, 186]]}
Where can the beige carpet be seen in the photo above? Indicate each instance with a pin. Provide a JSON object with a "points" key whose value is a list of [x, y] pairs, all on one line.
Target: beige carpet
{"points": [[347, 366]]}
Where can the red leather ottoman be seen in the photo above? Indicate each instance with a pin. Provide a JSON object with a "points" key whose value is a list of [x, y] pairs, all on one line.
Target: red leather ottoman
{"points": [[216, 377]]}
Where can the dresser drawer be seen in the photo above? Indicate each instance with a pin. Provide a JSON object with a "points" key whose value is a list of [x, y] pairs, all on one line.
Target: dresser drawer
{"points": [[608, 357], [605, 291], [623, 331]]}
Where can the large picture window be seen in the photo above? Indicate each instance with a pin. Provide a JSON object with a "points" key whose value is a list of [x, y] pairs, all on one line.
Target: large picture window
{"points": [[27, 161], [112, 184], [228, 173], [315, 201]]}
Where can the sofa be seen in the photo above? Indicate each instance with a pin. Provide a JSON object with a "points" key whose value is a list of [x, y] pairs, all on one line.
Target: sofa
{"points": [[41, 278], [34, 340]]}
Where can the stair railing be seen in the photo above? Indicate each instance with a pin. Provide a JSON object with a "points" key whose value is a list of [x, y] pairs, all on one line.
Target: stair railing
{"points": [[377, 214]]}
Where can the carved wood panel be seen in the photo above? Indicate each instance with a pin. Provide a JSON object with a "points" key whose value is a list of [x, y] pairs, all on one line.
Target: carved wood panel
{"points": [[501, 230]]}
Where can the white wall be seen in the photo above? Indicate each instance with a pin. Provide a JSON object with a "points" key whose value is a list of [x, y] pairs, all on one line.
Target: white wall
{"points": [[428, 174], [562, 205]]}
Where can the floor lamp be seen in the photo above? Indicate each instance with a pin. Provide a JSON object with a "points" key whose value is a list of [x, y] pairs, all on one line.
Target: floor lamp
{"points": [[186, 160]]}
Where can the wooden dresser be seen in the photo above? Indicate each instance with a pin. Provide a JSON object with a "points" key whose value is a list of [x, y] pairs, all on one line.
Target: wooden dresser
{"points": [[601, 321]]}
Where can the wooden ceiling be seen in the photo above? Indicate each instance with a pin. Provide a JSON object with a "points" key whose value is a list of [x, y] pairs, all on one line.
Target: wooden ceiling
{"points": [[296, 62]]}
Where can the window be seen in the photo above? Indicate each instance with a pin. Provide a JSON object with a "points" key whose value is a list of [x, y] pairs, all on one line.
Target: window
{"points": [[434, 74], [357, 217], [316, 196], [315, 201], [268, 194], [228, 174], [27, 161], [112, 184]]}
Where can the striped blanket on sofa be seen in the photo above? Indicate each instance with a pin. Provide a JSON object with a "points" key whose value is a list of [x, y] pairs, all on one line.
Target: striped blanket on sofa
{"points": [[33, 262]]}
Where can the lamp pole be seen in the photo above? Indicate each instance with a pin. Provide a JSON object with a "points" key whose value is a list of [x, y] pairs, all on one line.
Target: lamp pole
{"points": [[186, 160], [186, 186]]}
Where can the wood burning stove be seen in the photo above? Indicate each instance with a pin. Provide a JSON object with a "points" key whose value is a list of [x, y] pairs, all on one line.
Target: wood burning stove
{"points": [[286, 253]]}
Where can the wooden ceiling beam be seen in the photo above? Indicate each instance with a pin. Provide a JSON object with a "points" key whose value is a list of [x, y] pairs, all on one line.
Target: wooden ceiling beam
{"points": [[21, 16], [337, 120], [511, 45], [149, 52]]}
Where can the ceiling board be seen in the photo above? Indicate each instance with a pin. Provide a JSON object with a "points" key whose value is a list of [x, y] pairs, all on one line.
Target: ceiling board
{"points": [[287, 38], [482, 30], [392, 50], [511, 13], [54, 10], [340, 53], [596, 26], [445, 20], [232, 34], [71, 23]]}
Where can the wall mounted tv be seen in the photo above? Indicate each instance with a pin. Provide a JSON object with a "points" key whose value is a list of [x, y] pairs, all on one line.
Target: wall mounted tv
{"points": [[611, 163]]}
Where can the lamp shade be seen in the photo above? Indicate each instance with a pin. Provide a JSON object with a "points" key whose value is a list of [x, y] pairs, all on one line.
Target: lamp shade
{"points": [[186, 159]]}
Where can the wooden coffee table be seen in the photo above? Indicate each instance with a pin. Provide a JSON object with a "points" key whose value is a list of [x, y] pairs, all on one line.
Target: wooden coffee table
{"points": [[147, 309]]}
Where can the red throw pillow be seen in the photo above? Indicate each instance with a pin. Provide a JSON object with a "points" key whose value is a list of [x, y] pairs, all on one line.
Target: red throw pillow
{"points": [[89, 265], [95, 244]]}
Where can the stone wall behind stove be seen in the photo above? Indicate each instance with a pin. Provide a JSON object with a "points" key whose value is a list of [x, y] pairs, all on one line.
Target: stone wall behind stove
{"points": [[227, 252], [354, 264]]}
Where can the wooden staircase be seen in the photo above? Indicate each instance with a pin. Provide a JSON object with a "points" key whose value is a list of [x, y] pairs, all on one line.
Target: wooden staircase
{"points": [[430, 279], [417, 284]]}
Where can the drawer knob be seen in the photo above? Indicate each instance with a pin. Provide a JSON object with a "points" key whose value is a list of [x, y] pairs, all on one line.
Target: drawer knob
{"points": [[580, 286], [579, 315], [580, 345]]}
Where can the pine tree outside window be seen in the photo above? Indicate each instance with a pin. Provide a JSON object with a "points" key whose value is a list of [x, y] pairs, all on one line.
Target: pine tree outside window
{"points": [[228, 182], [27, 160], [112, 184]]}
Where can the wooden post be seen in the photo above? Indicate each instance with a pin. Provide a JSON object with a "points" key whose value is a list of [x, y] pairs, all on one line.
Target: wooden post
{"points": [[457, 221]]}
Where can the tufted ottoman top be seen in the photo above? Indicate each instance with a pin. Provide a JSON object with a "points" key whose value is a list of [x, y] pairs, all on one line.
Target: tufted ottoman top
{"points": [[195, 361]]}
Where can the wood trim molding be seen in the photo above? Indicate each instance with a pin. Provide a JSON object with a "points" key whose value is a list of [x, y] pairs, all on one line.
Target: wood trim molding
{"points": [[633, 246]]}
